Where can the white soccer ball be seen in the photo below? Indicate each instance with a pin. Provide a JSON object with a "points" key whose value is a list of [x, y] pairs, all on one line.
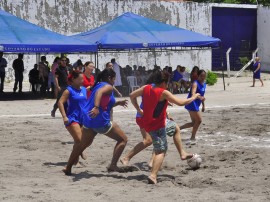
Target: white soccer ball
{"points": [[195, 161]]}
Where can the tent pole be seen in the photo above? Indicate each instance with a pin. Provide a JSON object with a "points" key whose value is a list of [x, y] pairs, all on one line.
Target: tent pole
{"points": [[37, 58], [97, 61], [222, 66], [155, 57]]}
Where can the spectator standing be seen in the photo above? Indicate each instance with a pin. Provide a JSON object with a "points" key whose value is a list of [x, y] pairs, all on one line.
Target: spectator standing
{"points": [[43, 75], [18, 67], [3, 65], [61, 83]]}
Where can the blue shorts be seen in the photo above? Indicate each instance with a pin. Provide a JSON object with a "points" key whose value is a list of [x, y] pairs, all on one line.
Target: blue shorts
{"points": [[159, 140], [102, 130]]}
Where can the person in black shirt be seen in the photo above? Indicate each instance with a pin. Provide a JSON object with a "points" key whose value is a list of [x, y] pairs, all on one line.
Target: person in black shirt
{"points": [[3, 65], [18, 67], [61, 83], [34, 78]]}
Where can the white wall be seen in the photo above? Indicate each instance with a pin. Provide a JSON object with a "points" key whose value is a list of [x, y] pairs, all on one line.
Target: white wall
{"points": [[70, 17], [264, 37]]}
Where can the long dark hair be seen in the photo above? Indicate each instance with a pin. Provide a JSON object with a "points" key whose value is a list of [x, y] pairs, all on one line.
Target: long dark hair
{"points": [[157, 77], [105, 75], [201, 71], [195, 68], [74, 74]]}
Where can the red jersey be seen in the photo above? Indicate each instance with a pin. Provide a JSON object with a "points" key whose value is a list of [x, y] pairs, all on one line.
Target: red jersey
{"points": [[154, 111], [88, 82]]}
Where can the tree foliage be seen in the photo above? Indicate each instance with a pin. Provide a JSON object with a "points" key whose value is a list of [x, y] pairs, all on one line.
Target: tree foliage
{"points": [[262, 2]]}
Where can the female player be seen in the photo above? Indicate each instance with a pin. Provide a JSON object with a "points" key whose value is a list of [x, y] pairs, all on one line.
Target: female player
{"points": [[172, 129], [88, 78], [75, 96], [257, 72], [155, 101], [96, 119], [193, 108], [194, 74]]}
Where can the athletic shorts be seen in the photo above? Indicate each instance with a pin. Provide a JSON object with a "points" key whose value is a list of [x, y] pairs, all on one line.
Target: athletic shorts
{"points": [[170, 127], [139, 121], [159, 140], [72, 123], [102, 130]]}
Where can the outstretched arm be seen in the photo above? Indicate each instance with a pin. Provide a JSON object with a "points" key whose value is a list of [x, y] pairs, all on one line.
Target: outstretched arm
{"points": [[123, 103], [167, 95], [117, 91]]}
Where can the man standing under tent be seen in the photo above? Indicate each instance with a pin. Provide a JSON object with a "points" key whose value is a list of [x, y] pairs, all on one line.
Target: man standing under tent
{"points": [[61, 82], [18, 67], [43, 76], [116, 68], [3, 65]]}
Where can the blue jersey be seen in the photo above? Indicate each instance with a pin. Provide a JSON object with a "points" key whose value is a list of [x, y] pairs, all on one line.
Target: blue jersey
{"points": [[256, 75], [76, 102], [106, 104], [195, 105]]}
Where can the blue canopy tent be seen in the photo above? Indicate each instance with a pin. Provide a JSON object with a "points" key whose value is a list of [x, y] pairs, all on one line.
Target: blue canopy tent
{"points": [[18, 35], [134, 32], [131, 31]]}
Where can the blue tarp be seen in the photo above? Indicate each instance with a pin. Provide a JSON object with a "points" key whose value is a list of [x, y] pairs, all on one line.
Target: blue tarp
{"points": [[17, 35], [131, 31]]}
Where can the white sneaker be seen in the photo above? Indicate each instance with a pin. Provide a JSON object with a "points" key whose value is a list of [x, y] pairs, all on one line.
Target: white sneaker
{"points": [[193, 142]]}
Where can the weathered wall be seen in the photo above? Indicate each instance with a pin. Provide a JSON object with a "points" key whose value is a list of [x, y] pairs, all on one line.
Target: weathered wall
{"points": [[264, 37], [74, 16]]}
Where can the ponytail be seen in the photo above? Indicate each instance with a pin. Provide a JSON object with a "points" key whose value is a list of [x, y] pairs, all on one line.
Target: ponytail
{"points": [[104, 76]]}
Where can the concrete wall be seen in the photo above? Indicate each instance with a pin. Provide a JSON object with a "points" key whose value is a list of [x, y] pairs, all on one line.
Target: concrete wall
{"points": [[264, 37], [74, 16]]}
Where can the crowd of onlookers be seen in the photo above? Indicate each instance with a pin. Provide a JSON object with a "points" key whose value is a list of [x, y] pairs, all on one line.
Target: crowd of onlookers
{"points": [[45, 78]]}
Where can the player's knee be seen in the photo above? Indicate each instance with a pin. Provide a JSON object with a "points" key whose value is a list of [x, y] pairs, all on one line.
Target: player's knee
{"points": [[124, 139], [147, 142]]}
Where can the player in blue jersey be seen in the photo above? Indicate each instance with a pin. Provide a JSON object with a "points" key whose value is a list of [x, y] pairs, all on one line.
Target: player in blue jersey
{"points": [[96, 119], [193, 108], [75, 95]]}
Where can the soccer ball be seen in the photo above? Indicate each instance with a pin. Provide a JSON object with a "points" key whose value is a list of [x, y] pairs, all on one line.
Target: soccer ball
{"points": [[195, 161]]}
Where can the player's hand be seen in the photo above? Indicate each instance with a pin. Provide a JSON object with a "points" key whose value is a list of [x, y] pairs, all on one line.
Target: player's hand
{"points": [[203, 109], [94, 112], [123, 103], [140, 111], [66, 121], [59, 88], [196, 96], [202, 98]]}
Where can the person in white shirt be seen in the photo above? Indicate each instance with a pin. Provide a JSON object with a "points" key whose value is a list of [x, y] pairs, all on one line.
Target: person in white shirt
{"points": [[116, 68], [3, 65]]}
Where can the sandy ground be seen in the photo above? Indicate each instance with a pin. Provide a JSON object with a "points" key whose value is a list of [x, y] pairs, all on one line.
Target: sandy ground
{"points": [[234, 141]]}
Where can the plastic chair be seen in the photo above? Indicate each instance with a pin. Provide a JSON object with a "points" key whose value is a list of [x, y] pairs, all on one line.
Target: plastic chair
{"points": [[132, 82]]}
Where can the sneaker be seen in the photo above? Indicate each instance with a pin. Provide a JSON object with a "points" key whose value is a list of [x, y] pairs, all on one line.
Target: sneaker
{"points": [[193, 142]]}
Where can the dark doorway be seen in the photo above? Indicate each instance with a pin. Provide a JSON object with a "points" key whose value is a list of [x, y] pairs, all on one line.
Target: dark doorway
{"points": [[237, 28]]}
